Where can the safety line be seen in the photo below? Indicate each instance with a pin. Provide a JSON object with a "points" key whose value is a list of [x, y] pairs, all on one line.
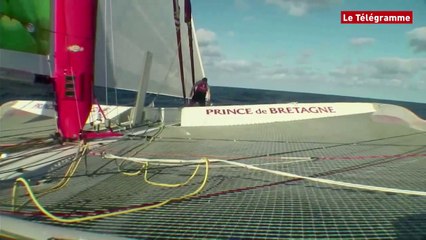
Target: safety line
{"points": [[280, 173]]}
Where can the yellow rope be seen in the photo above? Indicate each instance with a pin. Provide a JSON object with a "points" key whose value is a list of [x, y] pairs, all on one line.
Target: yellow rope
{"points": [[63, 182], [167, 184], [70, 172], [131, 174], [145, 165], [90, 218]]}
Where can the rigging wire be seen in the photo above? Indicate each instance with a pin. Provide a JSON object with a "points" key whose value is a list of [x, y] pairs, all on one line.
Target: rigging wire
{"points": [[106, 57], [113, 52], [76, 102], [166, 77]]}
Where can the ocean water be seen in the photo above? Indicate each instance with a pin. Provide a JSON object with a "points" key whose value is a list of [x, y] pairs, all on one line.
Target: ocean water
{"points": [[226, 95], [241, 96], [220, 96]]}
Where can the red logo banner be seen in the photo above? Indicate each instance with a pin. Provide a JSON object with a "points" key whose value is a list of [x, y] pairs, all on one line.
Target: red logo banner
{"points": [[376, 17]]}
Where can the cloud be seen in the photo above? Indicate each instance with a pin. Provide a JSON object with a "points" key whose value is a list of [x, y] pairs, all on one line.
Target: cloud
{"points": [[301, 7], [362, 41], [205, 37], [214, 59], [249, 18], [278, 55], [242, 4], [421, 84], [394, 72], [237, 66], [294, 73], [209, 49], [399, 65], [305, 57], [387, 78], [231, 33], [417, 39]]}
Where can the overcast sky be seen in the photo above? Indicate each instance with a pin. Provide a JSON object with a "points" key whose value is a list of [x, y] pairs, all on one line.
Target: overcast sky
{"points": [[300, 45]]}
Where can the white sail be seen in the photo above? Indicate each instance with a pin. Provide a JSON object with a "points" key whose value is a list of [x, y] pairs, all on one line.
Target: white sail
{"points": [[127, 30]]}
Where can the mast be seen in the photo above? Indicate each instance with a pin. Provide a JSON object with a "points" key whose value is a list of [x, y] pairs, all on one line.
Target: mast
{"points": [[188, 20], [75, 29], [176, 10]]}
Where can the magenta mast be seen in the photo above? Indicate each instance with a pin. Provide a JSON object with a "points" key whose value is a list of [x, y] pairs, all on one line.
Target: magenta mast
{"points": [[74, 37]]}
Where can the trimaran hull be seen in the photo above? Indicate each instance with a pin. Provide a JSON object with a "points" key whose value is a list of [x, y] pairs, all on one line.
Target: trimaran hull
{"points": [[357, 175], [320, 170]]}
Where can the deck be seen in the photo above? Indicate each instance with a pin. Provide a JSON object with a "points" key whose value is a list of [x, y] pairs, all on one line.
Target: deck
{"points": [[289, 182]]}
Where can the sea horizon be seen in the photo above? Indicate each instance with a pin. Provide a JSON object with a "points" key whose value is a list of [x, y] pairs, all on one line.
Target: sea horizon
{"points": [[221, 95]]}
